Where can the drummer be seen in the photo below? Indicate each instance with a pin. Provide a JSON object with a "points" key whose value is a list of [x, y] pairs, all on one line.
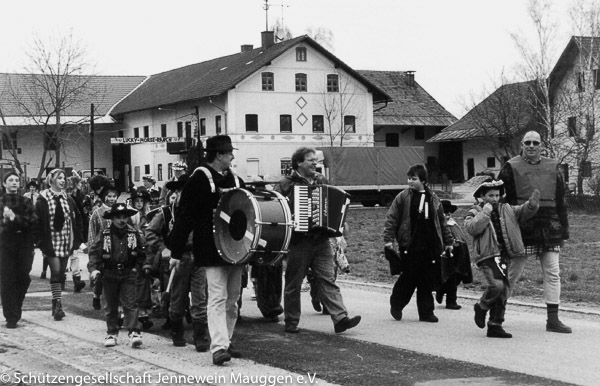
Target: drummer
{"points": [[199, 198]]}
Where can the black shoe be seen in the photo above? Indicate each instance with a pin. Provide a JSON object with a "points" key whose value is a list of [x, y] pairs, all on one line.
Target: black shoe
{"points": [[316, 305], [11, 324], [429, 318], [396, 313], [78, 285], [178, 340], [346, 324], [271, 319], [233, 352], [497, 332], [292, 329], [558, 326], [96, 303], [221, 356], [439, 296], [479, 316], [43, 275], [453, 306], [146, 323], [58, 312]]}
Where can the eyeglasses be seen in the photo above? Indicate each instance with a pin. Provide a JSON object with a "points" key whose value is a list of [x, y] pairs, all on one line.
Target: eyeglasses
{"points": [[311, 160], [531, 143]]}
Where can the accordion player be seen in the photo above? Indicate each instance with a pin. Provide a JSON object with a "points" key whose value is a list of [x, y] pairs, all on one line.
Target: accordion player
{"points": [[320, 208]]}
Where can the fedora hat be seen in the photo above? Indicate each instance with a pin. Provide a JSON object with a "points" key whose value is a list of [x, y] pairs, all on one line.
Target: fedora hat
{"points": [[177, 184], [448, 207], [119, 208], [219, 143], [488, 184]]}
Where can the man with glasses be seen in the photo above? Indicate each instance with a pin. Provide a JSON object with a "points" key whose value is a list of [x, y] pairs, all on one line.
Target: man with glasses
{"points": [[544, 234], [310, 250]]}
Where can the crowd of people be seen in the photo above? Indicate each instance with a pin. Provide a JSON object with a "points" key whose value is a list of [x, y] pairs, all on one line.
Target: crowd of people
{"points": [[155, 253]]}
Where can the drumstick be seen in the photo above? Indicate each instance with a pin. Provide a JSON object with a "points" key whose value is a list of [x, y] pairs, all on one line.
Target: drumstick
{"points": [[171, 279]]}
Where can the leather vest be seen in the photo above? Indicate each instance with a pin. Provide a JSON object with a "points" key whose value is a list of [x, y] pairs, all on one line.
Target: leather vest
{"points": [[529, 177]]}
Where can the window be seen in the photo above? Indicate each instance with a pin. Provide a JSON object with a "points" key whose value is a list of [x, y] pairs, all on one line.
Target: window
{"points": [[136, 132], [146, 169], [159, 172], [136, 174], [252, 167], [392, 139], [10, 139], [597, 78], [218, 124], [300, 54], [580, 81], [285, 123], [180, 129], [286, 166], [349, 124], [252, 123], [491, 162], [419, 133], [188, 129], [318, 124], [146, 132], [333, 84], [121, 134], [301, 82], [170, 170], [202, 126], [50, 141], [572, 126], [163, 130], [268, 81]]}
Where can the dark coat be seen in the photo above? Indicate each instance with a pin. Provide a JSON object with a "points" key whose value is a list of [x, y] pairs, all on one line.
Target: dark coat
{"points": [[460, 261], [41, 232], [16, 237]]}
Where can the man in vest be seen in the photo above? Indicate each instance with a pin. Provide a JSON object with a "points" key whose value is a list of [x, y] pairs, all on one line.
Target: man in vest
{"points": [[544, 234]]}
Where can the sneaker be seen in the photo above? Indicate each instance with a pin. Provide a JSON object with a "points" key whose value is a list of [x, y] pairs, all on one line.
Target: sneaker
{"points": [[96, 303], [135, 338], [346, 324], [221, 356], [110, 341]]}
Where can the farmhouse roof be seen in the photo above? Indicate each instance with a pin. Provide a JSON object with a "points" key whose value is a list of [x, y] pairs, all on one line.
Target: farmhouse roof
{"points": [[411, 105], [588, 46], [216, 76], [477, 122], [103, 91]]}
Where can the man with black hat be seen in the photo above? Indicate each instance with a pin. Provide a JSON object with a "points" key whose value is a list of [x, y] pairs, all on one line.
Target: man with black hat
{"points": [[199, 198], [119, 255]]}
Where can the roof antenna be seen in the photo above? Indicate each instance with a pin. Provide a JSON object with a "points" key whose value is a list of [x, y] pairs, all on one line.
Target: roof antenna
{"points": [[266, 8]]}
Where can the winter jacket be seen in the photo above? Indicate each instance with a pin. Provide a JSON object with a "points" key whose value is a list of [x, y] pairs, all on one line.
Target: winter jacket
{"points": [[485, 241], [41, 231]]}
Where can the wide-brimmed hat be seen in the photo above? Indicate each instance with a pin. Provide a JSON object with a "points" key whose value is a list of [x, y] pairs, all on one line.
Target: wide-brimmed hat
{"points": [[178, 183], [142, 192], [489, 184], [219, 143], [448, 207], [119, 208], [179, 165], [149, 178]]}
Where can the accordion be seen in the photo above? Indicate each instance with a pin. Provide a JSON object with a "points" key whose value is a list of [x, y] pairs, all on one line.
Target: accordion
{"points": [[320, 208]]}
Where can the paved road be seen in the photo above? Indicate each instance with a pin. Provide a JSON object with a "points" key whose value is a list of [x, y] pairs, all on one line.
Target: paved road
{"points": [[379, 351]]}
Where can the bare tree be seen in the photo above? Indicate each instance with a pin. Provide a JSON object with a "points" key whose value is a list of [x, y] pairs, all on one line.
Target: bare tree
{"points": [[58, 78]]}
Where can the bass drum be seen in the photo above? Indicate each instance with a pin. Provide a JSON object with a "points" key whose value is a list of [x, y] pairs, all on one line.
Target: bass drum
{"points": [[252, 226]]}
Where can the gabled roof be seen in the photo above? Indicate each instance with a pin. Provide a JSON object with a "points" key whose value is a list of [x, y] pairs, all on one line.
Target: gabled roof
{"points": [[589, 46], [216, 76], [103, 91], [509, 102], [411, 105]]}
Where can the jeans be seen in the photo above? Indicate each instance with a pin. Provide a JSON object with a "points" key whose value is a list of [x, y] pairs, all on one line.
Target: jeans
{"points": [[188, 278], [550, 270], [314, 252], [119, 287], [224, 286], [496, 294]]}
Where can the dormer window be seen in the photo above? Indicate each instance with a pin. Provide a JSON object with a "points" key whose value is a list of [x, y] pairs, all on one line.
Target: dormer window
{"points": [[300, 54]]}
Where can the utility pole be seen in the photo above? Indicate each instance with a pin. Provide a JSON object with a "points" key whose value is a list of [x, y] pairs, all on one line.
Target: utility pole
{"points": [[92, 140]]}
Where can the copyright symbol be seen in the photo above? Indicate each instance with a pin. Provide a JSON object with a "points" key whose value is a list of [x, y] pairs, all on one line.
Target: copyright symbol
{"points": [[4, 377]]}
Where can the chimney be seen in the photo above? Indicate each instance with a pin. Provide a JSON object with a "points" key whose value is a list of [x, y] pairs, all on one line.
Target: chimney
{"points": [[247, 47], [268, 39], [410, 78]]}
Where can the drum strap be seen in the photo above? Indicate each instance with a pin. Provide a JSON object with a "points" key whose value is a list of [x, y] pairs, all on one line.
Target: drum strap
{"points": [[213, 188]]}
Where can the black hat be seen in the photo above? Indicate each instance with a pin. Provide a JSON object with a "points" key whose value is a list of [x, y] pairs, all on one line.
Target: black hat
{"points": [[488, 184], [448, 207], [142, 192], [219, 143], [119, 208], [178, 183], [33, 183]]}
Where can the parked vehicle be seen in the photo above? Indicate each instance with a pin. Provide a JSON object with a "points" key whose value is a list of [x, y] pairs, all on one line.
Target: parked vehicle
{"points": [[372, 175]]}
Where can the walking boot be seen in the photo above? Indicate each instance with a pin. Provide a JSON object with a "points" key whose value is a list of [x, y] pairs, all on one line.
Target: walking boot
{"points": [[200, 336], [57, 310], [495, 331], [78, 284], [553, 324], [177, 333]]}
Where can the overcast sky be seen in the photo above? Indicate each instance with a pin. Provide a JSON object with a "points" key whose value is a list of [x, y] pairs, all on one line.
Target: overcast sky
{"points": [[456, 47]]}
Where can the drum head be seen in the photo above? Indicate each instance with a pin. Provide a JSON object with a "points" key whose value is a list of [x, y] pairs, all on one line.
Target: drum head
{"points": [[235, 226]]}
